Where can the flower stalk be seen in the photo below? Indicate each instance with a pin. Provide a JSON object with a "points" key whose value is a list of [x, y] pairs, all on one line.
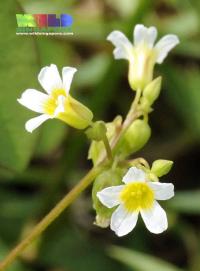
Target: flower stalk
{"points": [[51, 216], [108, 148]]}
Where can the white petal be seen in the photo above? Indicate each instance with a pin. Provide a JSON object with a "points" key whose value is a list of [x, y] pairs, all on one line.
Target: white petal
{"points": [[110, 196], [155, 219], [162, 191], [123, 46], [145, 35], [134, 175], [139, 34], [33, 99], [49, 78], [164, 45], [33, 123], [123, 222], [67, 75], [151, 36]]}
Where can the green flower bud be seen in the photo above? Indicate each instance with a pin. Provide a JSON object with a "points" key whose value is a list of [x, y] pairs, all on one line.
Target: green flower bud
{"points": [[145, 106], [152, 90], [107, 178], [161, 167], [97, 148], [97, 131], [135, 137]]}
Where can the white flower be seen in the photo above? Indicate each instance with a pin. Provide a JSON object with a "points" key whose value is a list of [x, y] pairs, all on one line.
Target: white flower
{"points": [[143, 54], [56, 103], [136, 196]]}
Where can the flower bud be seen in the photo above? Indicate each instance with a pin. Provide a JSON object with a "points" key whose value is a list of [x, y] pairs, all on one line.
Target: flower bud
{"points": [[152, 90], [141, 67], [106, 179], [97, 148], [161, 167], [135, 137], [145, 105], [75, 114], [97, 131]]}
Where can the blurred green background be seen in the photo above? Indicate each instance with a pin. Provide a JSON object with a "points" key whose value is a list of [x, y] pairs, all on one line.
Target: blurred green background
{"points": [[36, 170]]}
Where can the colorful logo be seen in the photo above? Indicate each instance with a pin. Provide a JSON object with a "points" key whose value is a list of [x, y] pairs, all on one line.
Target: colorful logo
{"points": [[44, 24]]}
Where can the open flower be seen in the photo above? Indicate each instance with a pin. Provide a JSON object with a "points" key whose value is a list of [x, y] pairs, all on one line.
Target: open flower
{"points": [[136, 196], [142, 55], [57, 103]]}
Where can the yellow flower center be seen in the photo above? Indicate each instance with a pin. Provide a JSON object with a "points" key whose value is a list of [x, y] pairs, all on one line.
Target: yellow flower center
{"points": [[136, 196], [52, 102]]}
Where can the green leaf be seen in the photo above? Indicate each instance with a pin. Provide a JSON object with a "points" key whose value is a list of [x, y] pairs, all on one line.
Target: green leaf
{"points": [[184, 95], [46, 7], [16, 209], [14, 206], [52, 134], [93, 70], [185, 24], [139, 261], [97, 28], [189, 48], [125, 8], [65, 246], [48, 52], [187, 202], [19, 71]]}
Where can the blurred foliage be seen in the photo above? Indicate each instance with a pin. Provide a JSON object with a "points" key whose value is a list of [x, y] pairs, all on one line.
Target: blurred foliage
{"points": [[37, 169], [141, 261]]}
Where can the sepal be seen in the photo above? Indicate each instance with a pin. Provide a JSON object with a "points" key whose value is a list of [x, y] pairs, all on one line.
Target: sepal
{"points": [[75, 114], [97, 131], [97, 148], [106, 179]]}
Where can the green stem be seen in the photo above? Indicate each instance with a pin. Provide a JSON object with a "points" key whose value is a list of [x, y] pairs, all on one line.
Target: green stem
{"points": [[51, 216], [130, 116], [107, 147], [137, 98]]}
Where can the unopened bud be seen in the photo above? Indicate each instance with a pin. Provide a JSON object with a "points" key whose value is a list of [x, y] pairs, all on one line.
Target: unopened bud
{"points": [[97, 131], [152, 90], [145, 106], [161, 167], [97, 148], [135, 137]]}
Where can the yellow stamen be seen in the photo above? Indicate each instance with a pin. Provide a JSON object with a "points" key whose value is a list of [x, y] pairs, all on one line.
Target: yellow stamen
{"points": [[136, 196], [52, 102], [72, 112]]}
